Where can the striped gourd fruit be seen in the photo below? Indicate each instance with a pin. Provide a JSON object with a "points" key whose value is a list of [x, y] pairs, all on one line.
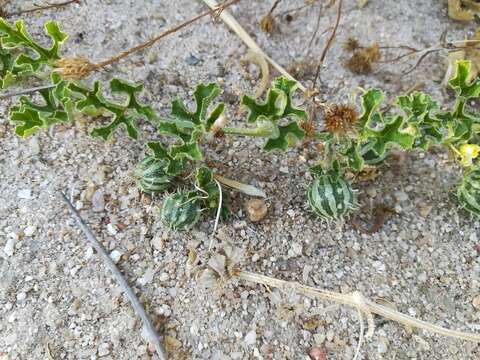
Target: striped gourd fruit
{"points": [[151, 176], [180, 211], [468, 193], [331, 197]]}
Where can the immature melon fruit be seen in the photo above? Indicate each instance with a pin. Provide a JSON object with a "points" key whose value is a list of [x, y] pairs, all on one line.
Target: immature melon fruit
{"points": [[151, 176], [180, 211], [331, 197], [468, 192]]}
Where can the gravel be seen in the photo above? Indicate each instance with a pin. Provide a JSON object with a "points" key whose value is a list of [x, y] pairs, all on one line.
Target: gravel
{"points": [[56, 297]]}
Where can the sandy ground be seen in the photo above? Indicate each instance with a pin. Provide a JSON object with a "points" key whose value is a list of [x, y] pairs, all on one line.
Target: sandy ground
{"points": [[58, 301]]}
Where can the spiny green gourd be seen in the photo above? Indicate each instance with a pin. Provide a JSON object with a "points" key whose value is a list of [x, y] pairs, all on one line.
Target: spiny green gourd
{"points": [[151, 175], [468, 192], [180, 211], [330, 196]]}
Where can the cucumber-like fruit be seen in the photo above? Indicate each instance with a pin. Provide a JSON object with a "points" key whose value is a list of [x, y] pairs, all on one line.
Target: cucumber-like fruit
{"points": [[331, 197], [180, 211], [151, 175]]}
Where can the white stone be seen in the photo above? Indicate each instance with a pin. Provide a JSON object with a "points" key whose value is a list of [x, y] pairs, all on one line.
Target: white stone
{"points": [[147, 277], [104, 349], [21, 296], [9, 248], [251, 338], [30, 230], [112, 229], [115, 255], [25, 194]]}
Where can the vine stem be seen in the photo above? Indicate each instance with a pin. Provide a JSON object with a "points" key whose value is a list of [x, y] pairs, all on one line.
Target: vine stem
{"points": [[215, 11], [358, 301], [26, 91], [137, 306], [256, 132]]}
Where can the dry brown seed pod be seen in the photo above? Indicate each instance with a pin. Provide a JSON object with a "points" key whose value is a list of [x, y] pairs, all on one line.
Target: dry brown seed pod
{"points": [[267, 24]]}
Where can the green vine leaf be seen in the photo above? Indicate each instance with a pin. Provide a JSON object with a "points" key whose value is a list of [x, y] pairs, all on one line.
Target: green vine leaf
{"points": [[277, 105], [464, 88], [371, 101], [287, 135], [93, 103], [190, 126], [393, 132], [56, 107], [17, 63], [174, 166]]}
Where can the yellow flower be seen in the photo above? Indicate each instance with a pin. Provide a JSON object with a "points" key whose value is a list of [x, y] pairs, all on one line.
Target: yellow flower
{"points": [[468, 152]]}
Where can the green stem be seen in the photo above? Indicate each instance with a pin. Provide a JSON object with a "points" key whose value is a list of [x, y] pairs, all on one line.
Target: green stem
{"points": [[257, 132]]}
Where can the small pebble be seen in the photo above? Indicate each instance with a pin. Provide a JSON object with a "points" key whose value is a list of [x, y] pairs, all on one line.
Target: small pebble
{"points": [[317, 353], [476, 302], [98, 201], [112, 229], [104, 349], [116, 255], [193, 60], [9, 248], [25, 194], [401, 196], [30, 230], [21, 296], [256, 209], [251, 338]]}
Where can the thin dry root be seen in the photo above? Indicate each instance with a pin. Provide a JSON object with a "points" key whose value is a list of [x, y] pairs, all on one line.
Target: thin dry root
{"points": [[74, 68], [358, 301]]}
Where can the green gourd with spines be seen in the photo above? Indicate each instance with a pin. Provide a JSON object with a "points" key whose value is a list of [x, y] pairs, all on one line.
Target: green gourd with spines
{"points": [[151, 175], [330, 196], [180, 211], [468, 192]]}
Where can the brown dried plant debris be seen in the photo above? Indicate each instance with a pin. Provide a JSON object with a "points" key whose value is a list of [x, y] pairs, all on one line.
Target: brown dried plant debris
{"points": [[340, 118], [74, 68], [463, 10], [363, 59], [351, 44], [267, 23]]}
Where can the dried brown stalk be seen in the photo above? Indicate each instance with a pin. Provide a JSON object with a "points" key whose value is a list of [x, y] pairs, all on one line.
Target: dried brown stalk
{"points": [[329, 42], [42, 8]]}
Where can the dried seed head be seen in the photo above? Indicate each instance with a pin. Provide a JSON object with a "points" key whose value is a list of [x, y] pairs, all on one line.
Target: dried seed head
{"points": [[267, 24], [309, 127], [74, 68], [351, 44], [340, 118], [362, 60]]}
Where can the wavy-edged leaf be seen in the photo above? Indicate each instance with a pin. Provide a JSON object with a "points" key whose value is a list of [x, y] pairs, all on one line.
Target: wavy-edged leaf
{"points": [[22, 55], [55, 107], [92, 102], [464, 88], [287, 135], [174, 166], [394, 131], [288, 87], [371, 101], [271, 109]]}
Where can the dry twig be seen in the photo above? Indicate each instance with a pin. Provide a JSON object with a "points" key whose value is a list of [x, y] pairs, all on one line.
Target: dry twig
{"points": [[137, 306]]}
